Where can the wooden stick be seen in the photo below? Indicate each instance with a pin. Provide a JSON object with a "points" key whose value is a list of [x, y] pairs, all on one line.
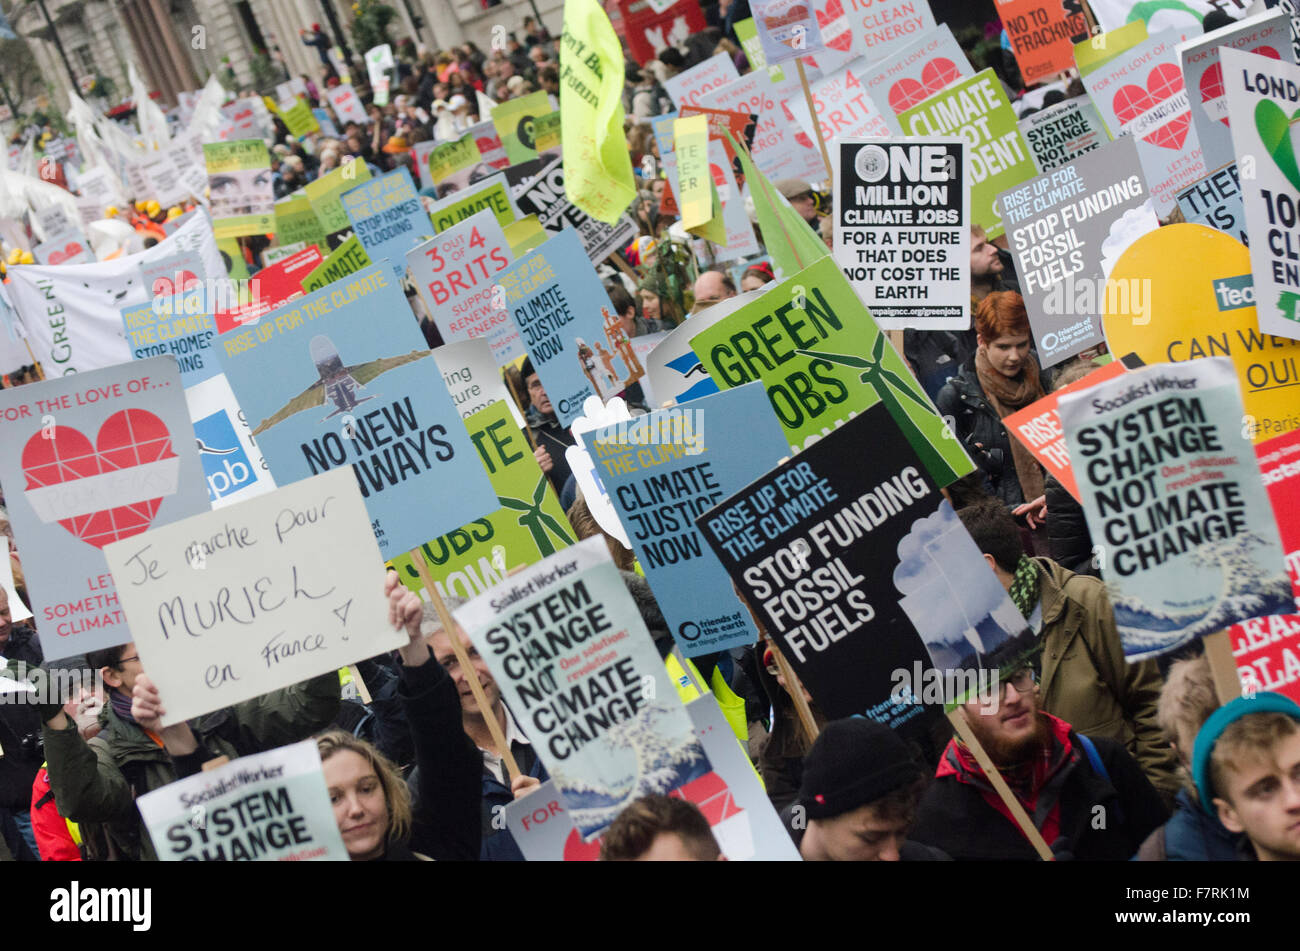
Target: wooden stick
{"points": [[216, 761], [795, 688], [681, 659], [362, 691], [1000, 785], [40, 371], [817, 125], [1223, 666], [621, 263], [462, 658]]}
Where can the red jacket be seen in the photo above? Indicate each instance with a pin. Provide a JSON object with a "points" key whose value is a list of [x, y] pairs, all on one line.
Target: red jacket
{"points": [[53, 838]]}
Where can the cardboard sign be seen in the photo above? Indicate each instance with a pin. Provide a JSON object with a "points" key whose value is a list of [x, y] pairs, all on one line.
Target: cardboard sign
{"points": [[780, 149], [687, 86], [787, 30], [387, 217], [1268, 34], [233, 466], [744, 824], [545, 198], [326, 194], [1063, 132], [490, 194], [1038, 427], [229, 605], [65, 246], [299, 119], [902, 229], [816, 547], [824, 362], [978, 110], [239, 181], [884, 27], [1140, 92], [275, 284], [269, 807], [575, 663], [164, 180], [455, 272], [348, 258], [844, 109], [514, 122], [296, 221], [341, 376], [1173, 494], [473, 378], [556, 302], [1199, 301], [160, 328], [1215, 201], [916, 72], [673, 371], [1042, 34], [528, 526], [95, 457], [347, 105], [663, 470], [282, 251], [1059, 225], [1266, 93]]}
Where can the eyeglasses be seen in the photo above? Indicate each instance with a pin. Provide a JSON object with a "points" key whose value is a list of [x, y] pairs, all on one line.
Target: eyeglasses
{"points": [[1022, 680], [124, 661]]}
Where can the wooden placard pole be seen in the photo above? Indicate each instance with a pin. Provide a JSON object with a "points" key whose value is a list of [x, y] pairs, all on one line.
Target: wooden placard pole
{"points": [[621, 263], [794, 686], [462, 658], [1000, 786], [817, 126], [1223, 667], [362, 690]]}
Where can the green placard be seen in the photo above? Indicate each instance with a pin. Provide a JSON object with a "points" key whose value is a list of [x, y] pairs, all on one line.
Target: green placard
{"points": [[451, 157], [823, 360], [295, 220], [239, 183], [978, 111], [346, 259], [529, 526], [515, 122], [546, 131], [324, 194], [494, 198], [298, 119]]}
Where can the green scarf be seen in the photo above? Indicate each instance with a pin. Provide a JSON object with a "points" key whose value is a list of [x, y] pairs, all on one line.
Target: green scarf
{"points": [[1024, 586]]}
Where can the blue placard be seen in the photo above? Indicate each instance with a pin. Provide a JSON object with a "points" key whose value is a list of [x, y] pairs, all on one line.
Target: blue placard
{"points": [[343, 376], [665, 469], [387, 217], [327, 127], [565, 323]]}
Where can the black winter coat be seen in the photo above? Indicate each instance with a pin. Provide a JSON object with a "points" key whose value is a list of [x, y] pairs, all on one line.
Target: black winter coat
{"points": [[1067, 530], [954, 816], [974, 419]]}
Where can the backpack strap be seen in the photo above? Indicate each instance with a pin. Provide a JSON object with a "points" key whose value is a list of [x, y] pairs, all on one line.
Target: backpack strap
{"points": [[1098, 767]]}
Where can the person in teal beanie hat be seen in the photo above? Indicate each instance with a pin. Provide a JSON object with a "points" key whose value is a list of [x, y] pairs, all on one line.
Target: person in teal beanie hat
{"points": [[1246, 766]]}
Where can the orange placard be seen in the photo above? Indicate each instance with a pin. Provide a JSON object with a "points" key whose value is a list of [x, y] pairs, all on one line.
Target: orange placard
{"points": [[1043, 34]]}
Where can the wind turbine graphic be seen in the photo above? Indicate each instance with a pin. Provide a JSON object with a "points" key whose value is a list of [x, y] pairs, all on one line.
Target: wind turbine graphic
{"points": [[889, 385], [536, 521]]}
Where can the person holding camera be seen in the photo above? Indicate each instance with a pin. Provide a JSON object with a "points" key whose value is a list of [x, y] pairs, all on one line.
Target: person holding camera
{"points": [[1000, 378]]}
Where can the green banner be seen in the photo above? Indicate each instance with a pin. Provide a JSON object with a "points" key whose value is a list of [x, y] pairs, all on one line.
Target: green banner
{"points": [[823, 360], [451, 157], [494, 198], [324, 194], [348, 258], [295, 221], [298, 119], [529, 526], [516, 123]]}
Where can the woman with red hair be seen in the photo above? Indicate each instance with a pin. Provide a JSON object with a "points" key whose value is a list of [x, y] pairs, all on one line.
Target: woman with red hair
{"points": [[999, 379]]}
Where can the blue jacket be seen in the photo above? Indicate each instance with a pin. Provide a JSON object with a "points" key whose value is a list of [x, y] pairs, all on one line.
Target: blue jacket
{"points": [[498, 844], [1191, 835]]}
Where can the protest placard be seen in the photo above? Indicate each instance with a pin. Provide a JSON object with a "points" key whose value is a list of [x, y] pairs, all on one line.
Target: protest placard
{"points": [[883, 27], [232, 464], [295, 220], [544, 197], [787, 29], [1215, 201], [1060, 224], [688, 85], [95, 457], [387, 217], [1139, 92], [457, 164], [777, 149], [1212, 315], [326, 192], [341, 376], [229, 605], [575, 663], [164, 180], [165, 326], [455, 272], [697, 196], [473, 378], [915, 72], [1268, 91], [239, 181], [822, 359], [548, 134], [345, 102], [299, 118], [663, 470], [491, 193], [1173, 496], [514, 121], [902, 229], [65, 246], [731, 797], [268, 807], [823, 548], [527, 526], [740, 242], [1268, 34], [977, 109], [673, 371], [282, 251], [274, 285], [18, 611], [1042, 34], [348, 258], [1063, 132], [844, 109], [561, 311], [1038, 427], [1267, 649]]}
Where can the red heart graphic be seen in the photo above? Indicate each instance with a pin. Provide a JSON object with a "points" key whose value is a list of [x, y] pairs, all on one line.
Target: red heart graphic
{"points": [[123, 462], [1131, 101], [837, 32], [69, 251], [801, 137], [935, 75], [575, 850], [1212, 78]]}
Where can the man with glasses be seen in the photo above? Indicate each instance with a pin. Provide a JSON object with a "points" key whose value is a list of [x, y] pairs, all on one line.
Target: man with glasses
{"points": [[1087, 797], [549, 437], [96, 782]]}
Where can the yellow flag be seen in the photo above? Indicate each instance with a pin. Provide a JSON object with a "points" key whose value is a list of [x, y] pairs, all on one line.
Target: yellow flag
{"points": [[597, 166], [701, 210]]}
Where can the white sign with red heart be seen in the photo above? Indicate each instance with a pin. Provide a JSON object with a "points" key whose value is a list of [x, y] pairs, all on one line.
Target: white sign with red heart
{"points": [[66, 246]]}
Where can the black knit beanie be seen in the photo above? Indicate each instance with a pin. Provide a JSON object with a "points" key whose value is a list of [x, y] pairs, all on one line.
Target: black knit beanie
{"points": [[853, 762]]}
